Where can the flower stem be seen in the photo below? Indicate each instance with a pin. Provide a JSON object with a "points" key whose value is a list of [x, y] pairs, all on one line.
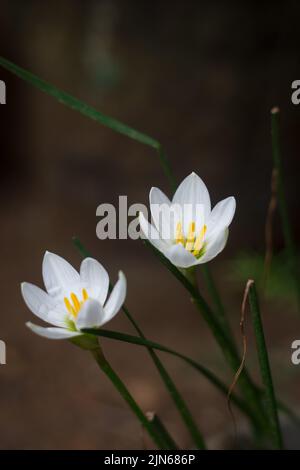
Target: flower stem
{"points": [[182, 407], [214, 294], [271, 405], [119, 385]]}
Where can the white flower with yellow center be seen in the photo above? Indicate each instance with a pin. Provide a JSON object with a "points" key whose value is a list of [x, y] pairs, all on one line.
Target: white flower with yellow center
{"points": [[73, 300], [185, 229]]}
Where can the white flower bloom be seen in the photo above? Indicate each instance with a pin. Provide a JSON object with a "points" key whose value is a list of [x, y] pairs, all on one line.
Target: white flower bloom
{"points": [[73, 300], [186, 230]]}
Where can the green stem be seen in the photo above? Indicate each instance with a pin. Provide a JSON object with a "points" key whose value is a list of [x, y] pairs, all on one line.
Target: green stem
{"points": [[119, 385], [178, 400], [214, 294], [166, 167], [283, 209], [265, 370]]}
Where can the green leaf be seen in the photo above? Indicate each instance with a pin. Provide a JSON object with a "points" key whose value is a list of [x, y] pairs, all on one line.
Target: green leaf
{"points": [[265, 370], [210, 376], [92, 113]]}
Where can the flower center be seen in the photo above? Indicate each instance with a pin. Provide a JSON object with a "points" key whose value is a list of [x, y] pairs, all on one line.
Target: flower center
{"points": [[193, 243], [75, 304]]}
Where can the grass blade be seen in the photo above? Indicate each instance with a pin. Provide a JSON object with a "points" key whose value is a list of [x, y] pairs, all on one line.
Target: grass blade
{"points": [[265, 370], [83, 108]]}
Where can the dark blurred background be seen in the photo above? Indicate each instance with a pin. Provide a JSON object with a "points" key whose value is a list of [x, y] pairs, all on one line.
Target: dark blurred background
{"points": [[201, 77]]}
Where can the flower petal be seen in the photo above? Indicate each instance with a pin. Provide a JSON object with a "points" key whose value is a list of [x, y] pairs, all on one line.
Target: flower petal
{"points": [[95, 278], [90, 315], [221, 215], [165, 215], [52, 332], [116, 299], [192, 190], [150, 232], [180, 257], [60, 278], [215, 244], [41, 304]]}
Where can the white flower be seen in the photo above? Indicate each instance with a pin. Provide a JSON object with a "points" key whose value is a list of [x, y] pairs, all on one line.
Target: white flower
{"points": [[186, 230], [73, 300]]}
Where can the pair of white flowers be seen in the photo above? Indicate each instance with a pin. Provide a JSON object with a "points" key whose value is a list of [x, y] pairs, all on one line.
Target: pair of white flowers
{"points": [[74, 301]]}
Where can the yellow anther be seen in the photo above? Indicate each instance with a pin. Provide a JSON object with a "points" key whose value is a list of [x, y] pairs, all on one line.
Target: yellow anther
{"points": [[191, 243], [199, 241], [85, 294], [69, 306], [74, 307], [191, 237], [179, 235], [76, 302]]}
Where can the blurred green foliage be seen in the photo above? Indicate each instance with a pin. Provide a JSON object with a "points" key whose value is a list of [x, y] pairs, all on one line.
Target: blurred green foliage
{"points": [[279, 283]]}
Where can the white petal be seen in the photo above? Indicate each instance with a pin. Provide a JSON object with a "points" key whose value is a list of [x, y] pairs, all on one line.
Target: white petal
{"points": [[165, 215], [180, 257], [95, 278], [221, 216], [90, 315], [157, 197], [192, 191], [52, 333], [116, 298], [215, 245], [60, 278], [151, 233], [42, 304], [160, 209]]}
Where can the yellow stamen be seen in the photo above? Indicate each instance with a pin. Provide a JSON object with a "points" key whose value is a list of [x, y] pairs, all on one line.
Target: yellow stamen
{"points": [[191, 237], [76, 302], [84, 294], [179, 235], [69, 306], [191, 243], [199, 241]]}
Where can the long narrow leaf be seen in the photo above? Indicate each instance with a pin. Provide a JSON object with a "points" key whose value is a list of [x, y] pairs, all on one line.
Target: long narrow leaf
{"points": [[210, 376], [265, 370], [90, 112]]}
